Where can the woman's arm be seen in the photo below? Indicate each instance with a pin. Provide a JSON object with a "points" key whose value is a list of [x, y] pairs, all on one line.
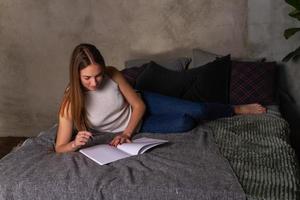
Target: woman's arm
{"points": [[137, 104], [64, 134]]}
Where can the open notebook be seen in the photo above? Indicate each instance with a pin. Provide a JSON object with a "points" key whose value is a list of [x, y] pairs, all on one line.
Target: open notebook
{"points": [[104, 153]]}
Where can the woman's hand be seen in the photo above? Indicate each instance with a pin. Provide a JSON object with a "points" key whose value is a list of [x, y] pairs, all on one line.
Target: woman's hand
{"points": [[120, 139], [81, 139]]}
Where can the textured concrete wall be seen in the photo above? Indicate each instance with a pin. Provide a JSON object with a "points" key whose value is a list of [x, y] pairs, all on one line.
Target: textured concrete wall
{"points": [[267, 21], [37, 37]]}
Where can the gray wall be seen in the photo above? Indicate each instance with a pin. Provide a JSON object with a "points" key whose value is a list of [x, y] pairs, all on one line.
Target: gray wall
{"points": [[267, 20], [37, 38]]}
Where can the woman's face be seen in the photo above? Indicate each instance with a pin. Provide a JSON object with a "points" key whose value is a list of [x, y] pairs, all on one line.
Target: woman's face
{"points": [[91, 76]]}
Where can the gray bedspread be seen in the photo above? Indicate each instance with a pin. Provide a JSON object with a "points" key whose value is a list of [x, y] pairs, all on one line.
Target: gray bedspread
{"points": [[190, 166]]}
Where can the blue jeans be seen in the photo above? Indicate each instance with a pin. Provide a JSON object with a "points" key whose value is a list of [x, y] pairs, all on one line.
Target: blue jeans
{"points": [[166, 114]]}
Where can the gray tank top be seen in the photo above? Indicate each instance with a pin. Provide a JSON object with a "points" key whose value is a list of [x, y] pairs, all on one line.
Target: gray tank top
{"points": [[107, 109]]}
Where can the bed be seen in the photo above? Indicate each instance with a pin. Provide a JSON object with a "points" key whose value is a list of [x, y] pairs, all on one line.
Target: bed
{"points": [[230, 158], [238, 157]]}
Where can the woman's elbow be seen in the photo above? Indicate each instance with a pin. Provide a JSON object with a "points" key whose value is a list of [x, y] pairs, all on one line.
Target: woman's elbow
{"points": [[142, 107], [58, 149]]}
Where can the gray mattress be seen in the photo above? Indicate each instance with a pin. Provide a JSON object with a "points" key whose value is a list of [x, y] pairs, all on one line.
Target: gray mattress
{"points": [[189, 167]]}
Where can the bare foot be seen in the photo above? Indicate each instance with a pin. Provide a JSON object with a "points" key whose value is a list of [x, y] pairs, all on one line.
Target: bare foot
{"points": [[253, 108]]}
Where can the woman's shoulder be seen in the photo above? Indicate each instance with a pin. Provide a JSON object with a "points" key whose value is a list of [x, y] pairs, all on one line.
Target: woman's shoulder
{"points": [[113, 73], [110, 70]]}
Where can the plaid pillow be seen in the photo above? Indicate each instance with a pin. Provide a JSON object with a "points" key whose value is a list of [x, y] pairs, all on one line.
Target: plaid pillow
{"points": [[252, 82]]}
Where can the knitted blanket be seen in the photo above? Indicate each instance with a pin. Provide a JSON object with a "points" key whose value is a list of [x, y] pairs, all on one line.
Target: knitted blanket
{"points": [[258, 149]]}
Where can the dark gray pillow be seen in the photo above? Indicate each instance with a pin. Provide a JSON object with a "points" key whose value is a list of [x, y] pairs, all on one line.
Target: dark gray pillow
{"points": [[211, 83], [158, 79], [177, 64], [208, 83], [201, 57]]}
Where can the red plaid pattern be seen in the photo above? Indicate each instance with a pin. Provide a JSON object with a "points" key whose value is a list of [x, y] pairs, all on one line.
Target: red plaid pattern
{"points": [[252, 82]]}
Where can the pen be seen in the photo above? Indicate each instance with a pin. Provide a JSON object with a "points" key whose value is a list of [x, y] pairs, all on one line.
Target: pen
{"points": [[92, 137]]}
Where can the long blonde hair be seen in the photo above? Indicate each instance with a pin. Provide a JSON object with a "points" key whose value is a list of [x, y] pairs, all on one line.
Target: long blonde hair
{"points": [[74, 98]]}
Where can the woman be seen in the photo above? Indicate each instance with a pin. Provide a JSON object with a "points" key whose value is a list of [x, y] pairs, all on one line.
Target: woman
{"points": [[99, 98]]}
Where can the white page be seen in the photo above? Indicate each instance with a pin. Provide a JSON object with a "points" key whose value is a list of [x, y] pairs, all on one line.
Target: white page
{"points": [[149, 146], [104, 153], [139, 146], [131, 148]]}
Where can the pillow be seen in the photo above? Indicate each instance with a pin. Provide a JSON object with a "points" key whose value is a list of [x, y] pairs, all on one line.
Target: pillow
{"points": [[201, 57], [206, 83], [156, 78], [211, 83], [252, 82], [168, 123], [131, 74], [178, 64]]}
